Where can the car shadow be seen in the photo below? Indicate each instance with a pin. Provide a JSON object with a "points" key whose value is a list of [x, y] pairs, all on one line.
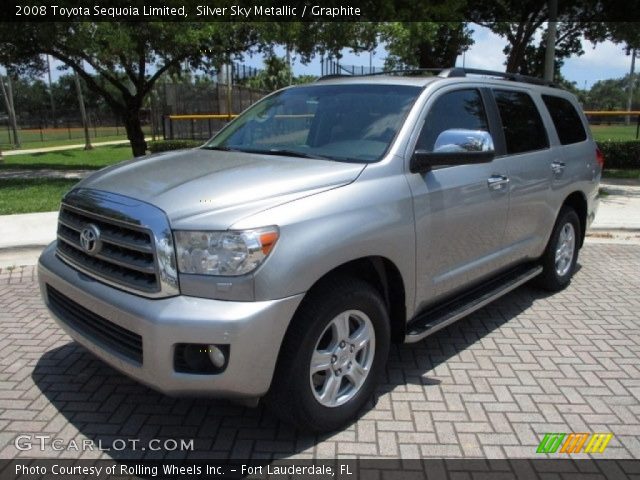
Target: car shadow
{"points": [[108, 407]]}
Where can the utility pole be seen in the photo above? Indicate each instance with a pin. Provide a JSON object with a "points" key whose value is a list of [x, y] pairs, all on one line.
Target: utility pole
{"points": [[632, 82], [7, 94], [290, 79], [229, 89], [550, 53], [53, 106], [83, 113]]}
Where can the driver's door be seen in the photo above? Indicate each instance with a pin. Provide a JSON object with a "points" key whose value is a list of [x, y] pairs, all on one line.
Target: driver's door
{"points": [[460, 211]]}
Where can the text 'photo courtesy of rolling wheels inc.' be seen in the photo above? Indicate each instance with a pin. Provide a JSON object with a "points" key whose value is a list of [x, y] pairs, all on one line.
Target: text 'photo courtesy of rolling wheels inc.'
{"points": [[319, 240]]}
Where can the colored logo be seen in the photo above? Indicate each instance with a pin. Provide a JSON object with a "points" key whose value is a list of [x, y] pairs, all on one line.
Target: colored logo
{"points": [[574, 442]]}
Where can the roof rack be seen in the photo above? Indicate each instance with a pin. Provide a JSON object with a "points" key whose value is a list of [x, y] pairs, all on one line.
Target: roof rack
{"points": [[452, 72]]}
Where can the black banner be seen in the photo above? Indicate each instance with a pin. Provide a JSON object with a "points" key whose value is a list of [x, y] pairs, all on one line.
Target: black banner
{"points": [[477, 469], [311, 11]]}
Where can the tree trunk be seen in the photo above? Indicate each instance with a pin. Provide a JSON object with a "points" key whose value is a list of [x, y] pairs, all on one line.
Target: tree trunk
{"points": [[7, 94], [133, 126], [83, 113], [515, 57]]}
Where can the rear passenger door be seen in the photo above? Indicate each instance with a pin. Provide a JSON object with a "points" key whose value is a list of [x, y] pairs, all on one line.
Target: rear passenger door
{"points": [[528, 160]]}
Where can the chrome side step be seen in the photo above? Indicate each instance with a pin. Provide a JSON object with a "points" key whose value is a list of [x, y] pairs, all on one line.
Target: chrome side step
{"points": [[446, 313]]}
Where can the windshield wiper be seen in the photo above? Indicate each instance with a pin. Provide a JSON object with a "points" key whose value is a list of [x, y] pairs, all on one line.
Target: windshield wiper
{"points": [[222, 148], [290, 153], [279, 151]]}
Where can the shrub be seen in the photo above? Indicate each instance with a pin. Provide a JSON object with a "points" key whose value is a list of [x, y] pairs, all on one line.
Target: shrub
{"points": [[620, 155], [166, 145]]}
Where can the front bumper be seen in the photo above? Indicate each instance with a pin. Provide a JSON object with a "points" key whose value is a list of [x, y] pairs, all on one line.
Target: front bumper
{"points": [[253, 330]]}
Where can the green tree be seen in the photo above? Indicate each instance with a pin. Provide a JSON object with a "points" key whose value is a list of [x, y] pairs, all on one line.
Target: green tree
{"points": [[518, 22], [30, 96], [308, 39], [627, 34], [275, 75], [611, 94], [424, 44], [121, 61]]}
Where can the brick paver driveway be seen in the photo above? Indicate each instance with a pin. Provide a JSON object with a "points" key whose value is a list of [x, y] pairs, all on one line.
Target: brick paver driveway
{"points": [[488, 386]]}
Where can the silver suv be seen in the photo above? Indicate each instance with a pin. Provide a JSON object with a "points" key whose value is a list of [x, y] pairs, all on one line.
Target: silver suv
{"points": [[282, 258]]}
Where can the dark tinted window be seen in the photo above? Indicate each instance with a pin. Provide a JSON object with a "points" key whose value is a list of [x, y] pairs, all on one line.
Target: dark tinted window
{"points": [[523, 127], [459, 109], [566, 119]]}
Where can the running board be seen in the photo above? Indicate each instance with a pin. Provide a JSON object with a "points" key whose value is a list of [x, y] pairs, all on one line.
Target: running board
{"points": [[445, 314]]}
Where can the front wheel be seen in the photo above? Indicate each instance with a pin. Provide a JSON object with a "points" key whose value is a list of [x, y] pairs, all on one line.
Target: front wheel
{"points": [[332, 355], [561, 255]]}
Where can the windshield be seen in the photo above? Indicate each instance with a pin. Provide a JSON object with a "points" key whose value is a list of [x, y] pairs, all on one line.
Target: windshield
{"points": [[337, 122]]}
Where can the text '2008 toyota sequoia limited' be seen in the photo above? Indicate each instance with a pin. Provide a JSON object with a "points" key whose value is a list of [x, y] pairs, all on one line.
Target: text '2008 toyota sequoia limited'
{"points": [[282, 258]]}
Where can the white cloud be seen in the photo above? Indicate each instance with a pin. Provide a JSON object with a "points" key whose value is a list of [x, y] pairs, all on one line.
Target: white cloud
{"points": [[606, 60], [486, 53]]}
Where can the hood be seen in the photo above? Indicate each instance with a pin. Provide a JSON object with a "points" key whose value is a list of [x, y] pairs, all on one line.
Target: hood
{"points": [[213, 189]]}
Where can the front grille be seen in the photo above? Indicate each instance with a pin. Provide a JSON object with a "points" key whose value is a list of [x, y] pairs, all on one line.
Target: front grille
{"points": [[105, 333], [126, 258]]}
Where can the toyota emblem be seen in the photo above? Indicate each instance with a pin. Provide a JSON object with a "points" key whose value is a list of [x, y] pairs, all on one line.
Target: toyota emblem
{"points": [[90, 239]]}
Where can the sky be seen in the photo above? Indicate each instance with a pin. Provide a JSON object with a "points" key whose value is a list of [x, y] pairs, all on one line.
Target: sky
{"points": [[606, 60]]}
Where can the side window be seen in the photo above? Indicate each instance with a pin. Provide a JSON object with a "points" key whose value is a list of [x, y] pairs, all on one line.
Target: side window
{"points": [[457, 109], [566, 119], [523, 127]]}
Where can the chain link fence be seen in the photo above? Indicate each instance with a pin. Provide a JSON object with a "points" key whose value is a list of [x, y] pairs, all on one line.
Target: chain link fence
{"points": [[205, 98]]}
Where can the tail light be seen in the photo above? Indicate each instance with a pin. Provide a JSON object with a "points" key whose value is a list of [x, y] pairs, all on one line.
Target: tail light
{"points": [[599, 157]]}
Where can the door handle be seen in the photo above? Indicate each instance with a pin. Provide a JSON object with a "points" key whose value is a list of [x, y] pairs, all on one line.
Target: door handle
{"points": [[497, 182], [558, 167]]}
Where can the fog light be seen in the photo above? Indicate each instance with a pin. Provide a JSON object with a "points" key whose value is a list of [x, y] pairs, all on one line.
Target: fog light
{"points": [[201, 359], [216, 356]]}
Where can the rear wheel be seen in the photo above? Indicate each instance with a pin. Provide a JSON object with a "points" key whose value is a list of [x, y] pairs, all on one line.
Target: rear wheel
{"points": [[332, 356], [561, 255]]}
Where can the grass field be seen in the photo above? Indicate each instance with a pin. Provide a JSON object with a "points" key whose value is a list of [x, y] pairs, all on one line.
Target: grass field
{"points": [[44, 194], [54, 137], [70, 159], [613, 132], [32, 195]]}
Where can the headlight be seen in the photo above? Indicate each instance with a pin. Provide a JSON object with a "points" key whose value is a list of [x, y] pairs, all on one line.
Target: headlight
{"points": [[223, 253]]}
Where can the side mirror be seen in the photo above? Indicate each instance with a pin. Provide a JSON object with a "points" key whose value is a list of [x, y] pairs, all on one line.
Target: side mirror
{"points": [[455, 147]]}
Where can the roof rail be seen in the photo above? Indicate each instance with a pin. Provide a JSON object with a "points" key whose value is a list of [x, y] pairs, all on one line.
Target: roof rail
{"points": [[453, 72], [516, 77]]}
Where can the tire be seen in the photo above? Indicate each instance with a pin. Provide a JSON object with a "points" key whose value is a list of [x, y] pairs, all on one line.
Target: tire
{"points": [[560, 257], [347, 365]]}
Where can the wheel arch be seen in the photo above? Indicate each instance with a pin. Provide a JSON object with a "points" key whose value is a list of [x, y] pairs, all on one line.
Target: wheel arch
{"points": [[578, 202], [385, 277]]}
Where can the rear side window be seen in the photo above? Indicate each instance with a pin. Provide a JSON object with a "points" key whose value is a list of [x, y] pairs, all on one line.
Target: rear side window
{"points": [[566, 119], [523, 127]]}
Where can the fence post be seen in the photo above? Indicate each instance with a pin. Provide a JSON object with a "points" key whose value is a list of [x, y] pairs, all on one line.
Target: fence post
{"points": [[164, 132]]}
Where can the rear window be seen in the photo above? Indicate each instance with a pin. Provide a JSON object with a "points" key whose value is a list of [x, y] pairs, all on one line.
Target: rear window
{"points": [[566, 119], [523, 127]]}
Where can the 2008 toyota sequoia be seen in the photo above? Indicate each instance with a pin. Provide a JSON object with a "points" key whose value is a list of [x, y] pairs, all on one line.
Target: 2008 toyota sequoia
{"points": [[280, 259]]}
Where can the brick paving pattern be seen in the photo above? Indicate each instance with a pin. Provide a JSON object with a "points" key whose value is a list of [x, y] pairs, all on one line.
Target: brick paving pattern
{"points": [[489, 386]]}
